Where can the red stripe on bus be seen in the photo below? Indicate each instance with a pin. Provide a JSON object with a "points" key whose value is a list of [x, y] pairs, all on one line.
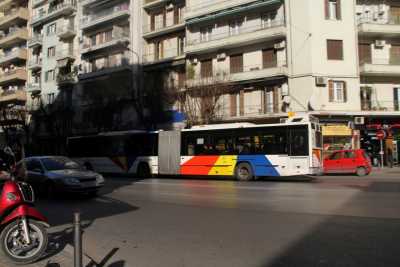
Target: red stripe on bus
{"points": [[199, 165]]}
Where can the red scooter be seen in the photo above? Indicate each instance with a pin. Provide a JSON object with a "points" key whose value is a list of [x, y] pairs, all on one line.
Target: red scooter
{"points": [[23, 234]]}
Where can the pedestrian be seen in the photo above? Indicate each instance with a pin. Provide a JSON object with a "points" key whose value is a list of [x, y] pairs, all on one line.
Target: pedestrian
{"points": [[390, 158]]}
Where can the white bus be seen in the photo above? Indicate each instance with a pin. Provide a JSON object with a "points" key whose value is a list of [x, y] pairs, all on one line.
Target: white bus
{"points": [[241, 150]]}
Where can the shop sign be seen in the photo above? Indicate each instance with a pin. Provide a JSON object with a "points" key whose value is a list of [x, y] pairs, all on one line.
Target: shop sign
{"points": [[336, 130]]}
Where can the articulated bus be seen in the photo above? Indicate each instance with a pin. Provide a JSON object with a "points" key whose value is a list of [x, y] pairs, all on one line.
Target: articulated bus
{"points": [[244, 151]]}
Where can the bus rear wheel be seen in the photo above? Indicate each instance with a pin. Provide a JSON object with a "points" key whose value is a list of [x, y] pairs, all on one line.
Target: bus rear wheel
{"points": [[244, 172]]}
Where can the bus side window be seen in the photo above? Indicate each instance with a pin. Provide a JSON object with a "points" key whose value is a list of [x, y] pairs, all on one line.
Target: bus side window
{"points": [[299, 142]]}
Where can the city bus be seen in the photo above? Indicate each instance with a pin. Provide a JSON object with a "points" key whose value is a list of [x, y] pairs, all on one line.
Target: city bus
{"points": [[244, 151]]}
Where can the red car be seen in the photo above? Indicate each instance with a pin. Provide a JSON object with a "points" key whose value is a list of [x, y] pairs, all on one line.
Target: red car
{"points": [[348, 161]]}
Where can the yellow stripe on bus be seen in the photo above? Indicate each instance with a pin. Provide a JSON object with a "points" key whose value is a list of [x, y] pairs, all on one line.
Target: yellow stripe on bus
{"points": [[225, 165]]}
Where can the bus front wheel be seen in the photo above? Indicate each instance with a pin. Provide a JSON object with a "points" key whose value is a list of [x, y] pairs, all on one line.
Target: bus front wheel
{"points": [[143, 171], [244, 172]]}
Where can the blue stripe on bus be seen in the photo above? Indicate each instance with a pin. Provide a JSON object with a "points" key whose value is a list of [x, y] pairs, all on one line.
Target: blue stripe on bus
{"points": [[261, 165]]}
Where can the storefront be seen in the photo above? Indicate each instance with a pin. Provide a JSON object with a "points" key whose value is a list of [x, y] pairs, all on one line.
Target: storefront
{"points": [[337, 137]]}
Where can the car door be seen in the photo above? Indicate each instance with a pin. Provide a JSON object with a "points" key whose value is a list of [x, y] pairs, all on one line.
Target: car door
{"points": [[36, 174], [349, 161], [333, 163]]}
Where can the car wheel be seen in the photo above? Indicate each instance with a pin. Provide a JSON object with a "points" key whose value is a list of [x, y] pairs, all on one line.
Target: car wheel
{"points": [[361, 171], [244, 172]]}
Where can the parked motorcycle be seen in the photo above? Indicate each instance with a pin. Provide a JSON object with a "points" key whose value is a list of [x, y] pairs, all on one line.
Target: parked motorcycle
{"points": [[23, 233]]}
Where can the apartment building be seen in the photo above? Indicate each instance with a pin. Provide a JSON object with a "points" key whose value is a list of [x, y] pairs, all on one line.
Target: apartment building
{"points": [[14, 17], [164, 37]]}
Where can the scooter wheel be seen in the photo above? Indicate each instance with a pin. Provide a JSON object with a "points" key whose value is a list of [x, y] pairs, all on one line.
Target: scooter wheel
{"points": [[14, 247]]}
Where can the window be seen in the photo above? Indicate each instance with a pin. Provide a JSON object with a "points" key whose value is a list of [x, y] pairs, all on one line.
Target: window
{"points": [[333, 9], [349, 155], [336, 156], [236, 63], [271, 101], [396, 94], [337, 91], [159, 47], [364, 50], [234, 99], [51, 52], [206, 68], [181, 45], [299, 142], [50, 98], [49, 75], [33, 165], [51, 29], [235, 27], [205, 33], [335, 49], [269, 58]]}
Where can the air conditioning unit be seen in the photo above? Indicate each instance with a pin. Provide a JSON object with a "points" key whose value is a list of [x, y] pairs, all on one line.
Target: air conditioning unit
{"points": [[169, 7], [280, 45], [321, 81], [286, 99], [359, 120], [195, 61], [380, 43], [376, 16], [283, 120], [221, 56]]}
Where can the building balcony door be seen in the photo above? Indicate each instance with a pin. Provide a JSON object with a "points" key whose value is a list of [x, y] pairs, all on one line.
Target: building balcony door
{"points": [[365, 53], [366, 99]]}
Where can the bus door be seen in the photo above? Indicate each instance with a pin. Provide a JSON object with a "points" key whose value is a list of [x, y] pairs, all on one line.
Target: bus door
{"points": [[299, 152], [169, 152]]}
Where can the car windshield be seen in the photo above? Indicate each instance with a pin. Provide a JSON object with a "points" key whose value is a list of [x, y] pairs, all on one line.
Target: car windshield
{"points": [[60, 163]]}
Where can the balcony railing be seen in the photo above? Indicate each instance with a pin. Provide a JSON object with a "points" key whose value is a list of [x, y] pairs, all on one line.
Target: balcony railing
{"points": [[164, 26], [15, 74], [21, 12], [392, 61], [20, 31], [36, 39], [103, 14], [232, 33], [18, 53], [117, 39], [35, 63], [54, 10], [392, 20], [240, 73], [90, 68], [66, 31], [372, 105], [163, 55], [33, 87], [66, 78], [66, 53], [13, 96], [37, 2]]}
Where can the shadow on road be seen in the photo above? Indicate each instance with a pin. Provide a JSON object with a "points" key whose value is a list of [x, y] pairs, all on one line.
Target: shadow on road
{"points": [[368, 240]]}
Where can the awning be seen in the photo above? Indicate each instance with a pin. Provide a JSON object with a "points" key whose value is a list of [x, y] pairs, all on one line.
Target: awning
{"points": [[62, 63], [232, 10]]}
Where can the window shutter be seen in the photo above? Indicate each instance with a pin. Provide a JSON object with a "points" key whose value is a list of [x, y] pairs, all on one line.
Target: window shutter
{"points": [[326, 9], [344, 92], [276, 100], [236, 63], [241, 103], [338, 10], [396, 98], [233, 106], [331, 93], [269, 58], [176, 15], [206, 68], [152, 22]]}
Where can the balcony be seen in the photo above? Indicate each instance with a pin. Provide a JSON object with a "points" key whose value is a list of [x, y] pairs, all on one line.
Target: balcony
{"points": [[104, 16], [13, 96], [36, 3], [205, 7], [383, 67], [66, 31], [13, 75], [148, 4], [33, 87], [13, 38], [274, 71], [87, 3], [90, 72], [16, 55], [367, 26], [62, 9], [14, 17], [166, 55], [65, 54], [5, 4], [153, 30], [35, 64], [119, 40], [245, 36], [66, 79], [35, 41], [373, 105]]}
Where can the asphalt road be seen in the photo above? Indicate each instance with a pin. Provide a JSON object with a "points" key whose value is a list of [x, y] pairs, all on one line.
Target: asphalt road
{"points": [[331, 221]]}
